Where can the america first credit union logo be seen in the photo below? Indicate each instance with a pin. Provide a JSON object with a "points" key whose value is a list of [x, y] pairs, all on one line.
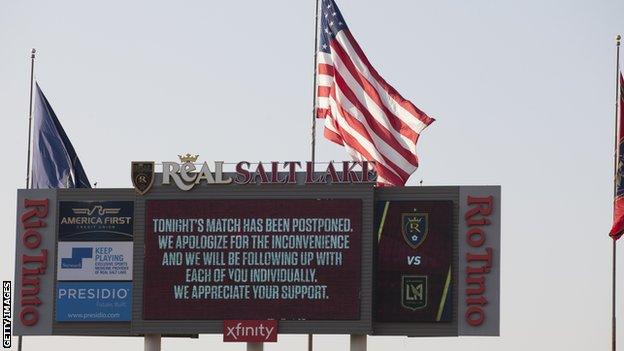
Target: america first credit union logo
{"points": [[414, 291], [142, 176], [414, 227]]}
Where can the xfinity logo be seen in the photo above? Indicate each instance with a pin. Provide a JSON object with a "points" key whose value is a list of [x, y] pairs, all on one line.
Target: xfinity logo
{"points": [[250, 331], [75, 261], [240, 331]]}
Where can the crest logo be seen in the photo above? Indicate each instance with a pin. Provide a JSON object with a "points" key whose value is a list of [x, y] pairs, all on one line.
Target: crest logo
{"points": [[415, 227], [142, 176], [414, 292]]}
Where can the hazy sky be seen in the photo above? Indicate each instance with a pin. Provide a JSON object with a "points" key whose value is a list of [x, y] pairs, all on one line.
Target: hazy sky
{"points": [[523, 94]]}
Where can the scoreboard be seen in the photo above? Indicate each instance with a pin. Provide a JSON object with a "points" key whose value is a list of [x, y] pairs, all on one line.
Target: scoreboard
{"points": [[313, 258]]}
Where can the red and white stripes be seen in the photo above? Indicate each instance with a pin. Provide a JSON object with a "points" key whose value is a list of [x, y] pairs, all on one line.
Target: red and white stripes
{"points": [[365, 114]]}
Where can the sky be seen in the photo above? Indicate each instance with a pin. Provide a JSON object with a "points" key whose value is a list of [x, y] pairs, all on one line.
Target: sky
{"points": [[523, 93]]}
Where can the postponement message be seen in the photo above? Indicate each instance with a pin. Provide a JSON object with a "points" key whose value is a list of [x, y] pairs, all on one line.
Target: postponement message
{"points": [[281, 259]]}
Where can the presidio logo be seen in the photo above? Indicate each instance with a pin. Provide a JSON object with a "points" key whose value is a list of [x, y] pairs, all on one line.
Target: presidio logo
{"points": [[6, 314], [75, 261]]}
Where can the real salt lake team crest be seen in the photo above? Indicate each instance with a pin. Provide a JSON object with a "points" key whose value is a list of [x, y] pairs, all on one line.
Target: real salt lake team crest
{"points": [[142, 176], [414, 227]]}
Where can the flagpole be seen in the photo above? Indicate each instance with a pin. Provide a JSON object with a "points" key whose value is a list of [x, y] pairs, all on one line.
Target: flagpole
{"points": [[615, 161], [313, 144], [316, 25], [30, 111]]}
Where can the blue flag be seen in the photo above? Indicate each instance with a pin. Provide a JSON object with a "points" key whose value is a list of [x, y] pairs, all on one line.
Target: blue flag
{"points": [[54, 160]]}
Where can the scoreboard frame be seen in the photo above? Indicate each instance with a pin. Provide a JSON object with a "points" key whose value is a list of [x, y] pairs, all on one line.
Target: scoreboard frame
{"points": [[462, 234]]}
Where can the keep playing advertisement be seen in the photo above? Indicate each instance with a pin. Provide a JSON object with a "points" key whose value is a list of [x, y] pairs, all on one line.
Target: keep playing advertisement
{"points": [[414, 255]]}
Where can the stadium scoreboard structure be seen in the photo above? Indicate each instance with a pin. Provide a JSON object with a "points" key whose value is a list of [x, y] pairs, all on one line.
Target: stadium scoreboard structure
{"points": [[310, 257]]}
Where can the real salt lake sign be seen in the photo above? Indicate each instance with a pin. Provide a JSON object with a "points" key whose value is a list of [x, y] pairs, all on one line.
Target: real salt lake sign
{"points": [[186, 174]]}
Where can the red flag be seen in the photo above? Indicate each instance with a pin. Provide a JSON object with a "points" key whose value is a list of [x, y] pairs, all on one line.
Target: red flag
{"points": [[618, 202]]}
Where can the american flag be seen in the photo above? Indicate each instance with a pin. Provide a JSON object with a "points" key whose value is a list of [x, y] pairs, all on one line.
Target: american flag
{"points": [[362, 112]]}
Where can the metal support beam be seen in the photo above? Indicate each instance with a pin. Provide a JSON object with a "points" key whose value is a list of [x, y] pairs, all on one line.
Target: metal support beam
{"points": [[358, 343], [152, 342], [255, 346]]}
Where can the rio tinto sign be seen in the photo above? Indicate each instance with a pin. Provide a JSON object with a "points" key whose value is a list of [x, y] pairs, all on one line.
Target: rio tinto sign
{"points": [[34, 261], [479, 260]]}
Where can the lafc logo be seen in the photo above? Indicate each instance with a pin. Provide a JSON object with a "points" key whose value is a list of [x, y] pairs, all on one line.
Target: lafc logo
{"points": [[414, 227], [101, 210], [414, 291]]}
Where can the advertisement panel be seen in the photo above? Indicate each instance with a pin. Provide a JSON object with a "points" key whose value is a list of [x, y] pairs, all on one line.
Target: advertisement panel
{"points": [[414, 261], [93, 301], [88, 260], [479, 260], [297, 259], [95, 220], [34, 262]]}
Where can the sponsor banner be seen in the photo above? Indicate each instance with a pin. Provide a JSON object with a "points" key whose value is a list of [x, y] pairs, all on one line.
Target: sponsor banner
{"points": [[93, 301], [479, 260], [34, 262], [96, 220], [413, 267], [250, 331], [253, 259], [88, 260]]}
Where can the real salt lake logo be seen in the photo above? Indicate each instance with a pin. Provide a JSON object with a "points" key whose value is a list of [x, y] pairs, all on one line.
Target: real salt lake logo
{"points": [[188, 173], [142, 173], [414, 227], [78, 254]]}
